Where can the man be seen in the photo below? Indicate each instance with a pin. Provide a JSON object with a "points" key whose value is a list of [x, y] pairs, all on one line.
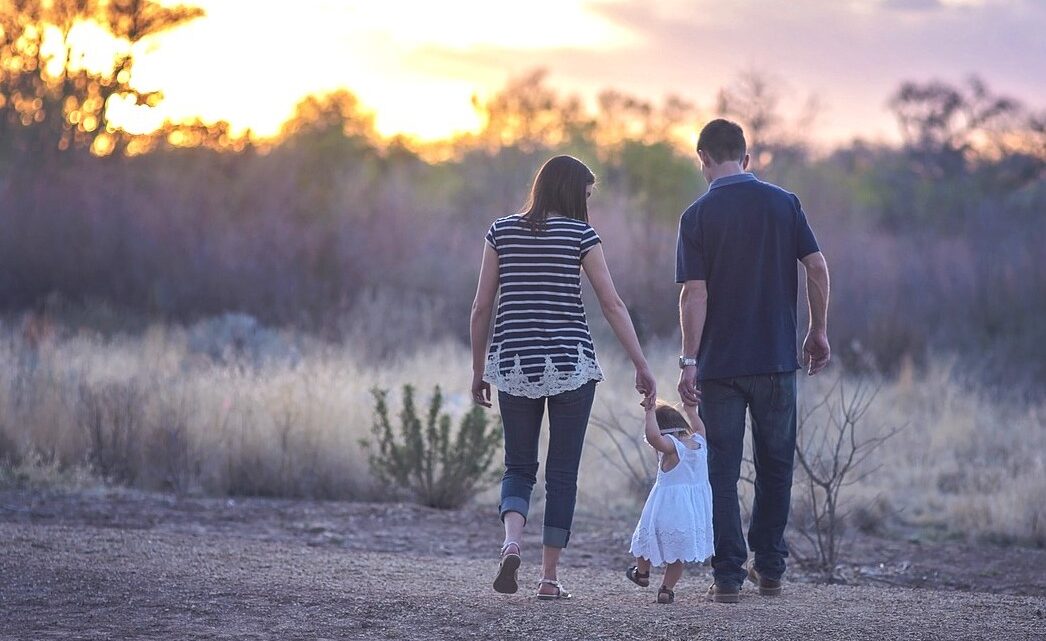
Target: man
{"points": [[736, 257]]}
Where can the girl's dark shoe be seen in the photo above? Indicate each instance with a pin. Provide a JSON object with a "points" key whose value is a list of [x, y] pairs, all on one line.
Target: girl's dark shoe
{"points": [[665, 595], [767, 587], [642, 579], [505, 582]]}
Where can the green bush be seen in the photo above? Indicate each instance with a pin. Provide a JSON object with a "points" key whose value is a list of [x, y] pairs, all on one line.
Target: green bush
{"points": [[438, 469]]}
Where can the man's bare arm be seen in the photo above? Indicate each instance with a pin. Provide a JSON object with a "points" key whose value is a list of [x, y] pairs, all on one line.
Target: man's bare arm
{"points": [[693, 307], [816, 350]]}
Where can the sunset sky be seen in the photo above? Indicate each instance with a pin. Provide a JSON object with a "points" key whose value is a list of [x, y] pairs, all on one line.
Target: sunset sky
{"points": [[416, 64]]}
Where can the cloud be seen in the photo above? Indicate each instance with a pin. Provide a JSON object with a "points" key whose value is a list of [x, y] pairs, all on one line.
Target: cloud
{"points": [[853, 55], [912, 5]]}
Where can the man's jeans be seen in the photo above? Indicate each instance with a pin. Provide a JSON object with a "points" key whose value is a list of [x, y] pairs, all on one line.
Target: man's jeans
{"points": [[770, 398], [568, 419]]}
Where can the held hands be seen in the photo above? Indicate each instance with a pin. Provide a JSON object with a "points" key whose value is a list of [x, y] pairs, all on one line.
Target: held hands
{"points": [[688, 392], [816, 351], [480, 391], [647, 386]]}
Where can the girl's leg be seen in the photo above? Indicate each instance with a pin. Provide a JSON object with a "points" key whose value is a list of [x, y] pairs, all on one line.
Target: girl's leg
{"points": [[568, 415], [643, 565], [672, 574]]}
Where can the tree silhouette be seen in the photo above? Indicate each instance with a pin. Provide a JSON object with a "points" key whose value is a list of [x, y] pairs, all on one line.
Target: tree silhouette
{"points": [[945, 126], [529, 114], [754, 99], [51, 99]]}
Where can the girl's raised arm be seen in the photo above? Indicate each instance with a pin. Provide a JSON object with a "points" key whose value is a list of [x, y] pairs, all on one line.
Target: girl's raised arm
{"points": [[653, 435], [695, 419]]}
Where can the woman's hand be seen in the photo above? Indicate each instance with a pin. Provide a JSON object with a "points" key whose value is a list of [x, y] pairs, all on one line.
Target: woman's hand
{"points": [[646, 385], [480, 391]]}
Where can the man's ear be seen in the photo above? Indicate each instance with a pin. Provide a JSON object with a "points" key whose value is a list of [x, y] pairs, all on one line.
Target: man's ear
{"points": [[704, 158], [745, 161]]}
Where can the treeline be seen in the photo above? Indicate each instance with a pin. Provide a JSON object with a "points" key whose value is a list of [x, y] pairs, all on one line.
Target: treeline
{"points": [[936, 244]]}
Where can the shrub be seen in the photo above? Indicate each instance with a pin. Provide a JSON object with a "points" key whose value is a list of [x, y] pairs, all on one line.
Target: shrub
{"points": [[831, 456], [112, 419], [439, 470]]}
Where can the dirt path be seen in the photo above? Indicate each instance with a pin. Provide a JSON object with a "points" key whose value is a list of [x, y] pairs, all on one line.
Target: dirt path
{"points": [[145, 567]]}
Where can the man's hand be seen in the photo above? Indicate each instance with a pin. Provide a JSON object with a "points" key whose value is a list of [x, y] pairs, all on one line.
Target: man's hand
{"points": [[688, 392], [816, 351]]}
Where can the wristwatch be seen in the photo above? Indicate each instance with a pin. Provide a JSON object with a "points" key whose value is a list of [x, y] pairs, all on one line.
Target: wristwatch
{"points": [[687, 361]]}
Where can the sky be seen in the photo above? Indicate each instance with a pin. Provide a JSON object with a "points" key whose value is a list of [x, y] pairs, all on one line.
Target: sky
{"points": [[417, 64]]}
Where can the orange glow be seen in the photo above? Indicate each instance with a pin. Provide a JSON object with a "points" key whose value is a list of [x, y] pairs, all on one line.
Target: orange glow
{"points": [[250, 66]]}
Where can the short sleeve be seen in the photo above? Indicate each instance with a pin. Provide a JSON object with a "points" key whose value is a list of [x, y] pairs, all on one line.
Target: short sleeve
{"points": [[492, 238], [805, 241], [589, 240], [690, 258]]}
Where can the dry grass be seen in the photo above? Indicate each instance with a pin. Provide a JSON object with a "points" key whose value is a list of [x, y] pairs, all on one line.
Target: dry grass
{"points": [[285, 421]]}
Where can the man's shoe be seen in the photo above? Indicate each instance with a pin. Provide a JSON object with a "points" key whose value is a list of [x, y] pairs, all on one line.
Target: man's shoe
{"points": [[724, 593], [767, 587]]}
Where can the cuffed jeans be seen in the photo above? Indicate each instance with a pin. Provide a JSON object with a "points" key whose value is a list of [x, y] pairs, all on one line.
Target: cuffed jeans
{"points": [[568, 414], [771, 400]]}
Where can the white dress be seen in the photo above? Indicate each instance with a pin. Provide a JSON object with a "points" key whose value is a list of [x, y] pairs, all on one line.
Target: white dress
{"points": [[676, 524]]}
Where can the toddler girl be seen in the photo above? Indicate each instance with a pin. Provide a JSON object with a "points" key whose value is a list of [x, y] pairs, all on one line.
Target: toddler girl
{"points": [[676, 525]]}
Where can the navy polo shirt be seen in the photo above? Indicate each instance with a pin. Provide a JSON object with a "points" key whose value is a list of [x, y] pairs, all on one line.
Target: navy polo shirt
{"points": [[744, 237]]}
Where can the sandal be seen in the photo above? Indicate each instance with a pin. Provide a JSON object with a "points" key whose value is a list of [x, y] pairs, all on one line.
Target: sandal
{"points": [[665, 595], [560, 592], [642, 579], [505, 582]]}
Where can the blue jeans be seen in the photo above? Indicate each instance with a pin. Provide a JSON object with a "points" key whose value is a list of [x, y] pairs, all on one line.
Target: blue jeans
{"points": [[770, 399], [568, 419]]}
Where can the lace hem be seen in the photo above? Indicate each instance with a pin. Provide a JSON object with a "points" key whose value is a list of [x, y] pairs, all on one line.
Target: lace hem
{"points": [[549, 383], [668, 546]]}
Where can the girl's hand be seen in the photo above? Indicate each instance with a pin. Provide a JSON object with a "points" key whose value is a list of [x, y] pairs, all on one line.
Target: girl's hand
{"points": [[480, 391]]}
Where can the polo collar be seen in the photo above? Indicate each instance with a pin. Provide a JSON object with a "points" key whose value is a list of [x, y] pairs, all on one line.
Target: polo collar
{"points": [[732, 180]]}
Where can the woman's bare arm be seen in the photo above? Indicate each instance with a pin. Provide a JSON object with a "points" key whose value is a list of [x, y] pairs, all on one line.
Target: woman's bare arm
{"points": [[595, 266], [479, 322]]}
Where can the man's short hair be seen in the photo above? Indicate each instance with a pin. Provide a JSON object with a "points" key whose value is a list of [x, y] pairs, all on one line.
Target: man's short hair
{"points": [[723, 140]]}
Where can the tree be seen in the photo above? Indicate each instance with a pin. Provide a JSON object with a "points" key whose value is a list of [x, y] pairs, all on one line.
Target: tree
{"points": [[51, 98], [529, 114], [945, 127], [754, 99]]}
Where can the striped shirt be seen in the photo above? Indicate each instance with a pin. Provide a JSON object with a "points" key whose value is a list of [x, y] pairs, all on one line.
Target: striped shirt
{"points": [[541, 344]]}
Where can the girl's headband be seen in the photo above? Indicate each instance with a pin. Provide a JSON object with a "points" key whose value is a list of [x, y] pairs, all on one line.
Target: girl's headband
{"points": [[672, 430]]}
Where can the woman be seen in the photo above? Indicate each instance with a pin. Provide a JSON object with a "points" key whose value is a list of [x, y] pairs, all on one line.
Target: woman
{"points": [[541, 353]]}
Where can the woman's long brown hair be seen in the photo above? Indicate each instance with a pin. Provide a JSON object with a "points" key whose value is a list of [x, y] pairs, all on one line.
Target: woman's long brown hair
{"points": [[559, 188]]}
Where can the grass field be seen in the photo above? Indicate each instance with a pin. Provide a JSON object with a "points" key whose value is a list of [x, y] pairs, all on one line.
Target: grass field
{"points": [[218, 409]]}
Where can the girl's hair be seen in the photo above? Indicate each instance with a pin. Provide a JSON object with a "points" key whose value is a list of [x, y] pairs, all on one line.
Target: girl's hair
{"points": [[559, 188], [670, 420]]}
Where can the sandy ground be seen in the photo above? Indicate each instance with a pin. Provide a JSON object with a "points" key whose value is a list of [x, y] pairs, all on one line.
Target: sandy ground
{"points": [[122, 565]]}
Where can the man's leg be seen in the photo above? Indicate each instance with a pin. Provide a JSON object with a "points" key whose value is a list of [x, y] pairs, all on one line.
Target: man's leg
{"points": [[773, 437], [723, 412]]}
